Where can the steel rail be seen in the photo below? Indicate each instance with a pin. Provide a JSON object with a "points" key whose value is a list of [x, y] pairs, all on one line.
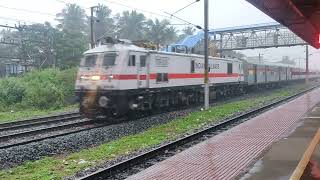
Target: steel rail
{"points": [[139, 159], [89, 124], [36, 121]]}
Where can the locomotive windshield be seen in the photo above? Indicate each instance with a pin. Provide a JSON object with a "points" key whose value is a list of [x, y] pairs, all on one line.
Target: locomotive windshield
{"points": [[89, 61], [109, 59]]}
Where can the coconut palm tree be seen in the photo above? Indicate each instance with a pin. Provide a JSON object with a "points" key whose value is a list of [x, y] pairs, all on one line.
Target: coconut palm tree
{"points": [[131, 25], [160, 32], [104, 23]]}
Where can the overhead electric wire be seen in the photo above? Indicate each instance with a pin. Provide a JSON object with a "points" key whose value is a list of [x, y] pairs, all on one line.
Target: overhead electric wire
{"points": [[172, 15], [197, 26], [139, 9], [185, 6], [150, 12], [28, 11], [112, 2], [177, 24], [18, 20], [61, 1]]}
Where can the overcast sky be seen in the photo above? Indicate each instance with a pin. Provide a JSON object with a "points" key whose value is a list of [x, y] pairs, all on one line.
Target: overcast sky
{"points": [[223, 13]]}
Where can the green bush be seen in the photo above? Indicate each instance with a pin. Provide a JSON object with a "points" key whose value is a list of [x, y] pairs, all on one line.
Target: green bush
{"points": [[44, 89], [11, 91]]}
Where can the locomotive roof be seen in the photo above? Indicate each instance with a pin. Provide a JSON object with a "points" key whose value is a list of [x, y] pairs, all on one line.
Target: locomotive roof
{"points": [[131, 47], [266, 63], [115, 47], [192, 55]]}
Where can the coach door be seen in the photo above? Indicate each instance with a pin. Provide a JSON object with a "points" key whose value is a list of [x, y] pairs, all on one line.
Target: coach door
{"points": [[142, 70], [255, 73]]}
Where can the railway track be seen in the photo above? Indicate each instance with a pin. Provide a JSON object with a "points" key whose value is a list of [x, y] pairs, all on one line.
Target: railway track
{"points": [[38, 121], [137, 163], [38, 129]]}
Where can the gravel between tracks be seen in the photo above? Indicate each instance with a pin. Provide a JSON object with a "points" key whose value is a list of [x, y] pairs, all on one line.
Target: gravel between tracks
{"points": [[75, 142]]}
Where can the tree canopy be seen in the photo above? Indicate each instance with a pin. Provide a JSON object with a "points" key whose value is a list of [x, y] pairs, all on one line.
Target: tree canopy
{"points": [[64, 44], [159, 32], [131, 25], [104, 23]]}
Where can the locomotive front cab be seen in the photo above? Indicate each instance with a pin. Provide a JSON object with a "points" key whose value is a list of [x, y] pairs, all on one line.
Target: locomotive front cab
{"points": [[96, 71], [95, 79], [108, 75]]}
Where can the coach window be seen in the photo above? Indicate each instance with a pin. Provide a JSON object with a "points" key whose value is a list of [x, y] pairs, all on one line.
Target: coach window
{"points": [[159, 77], [165, 77], [162, 77], [90, 60], [229, 68], [192, 66], [132, 60], [143, 61], [109, 59]]}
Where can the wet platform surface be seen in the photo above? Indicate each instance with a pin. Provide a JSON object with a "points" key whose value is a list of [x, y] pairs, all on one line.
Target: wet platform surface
{"points": [[283, 157], [232, 153]]}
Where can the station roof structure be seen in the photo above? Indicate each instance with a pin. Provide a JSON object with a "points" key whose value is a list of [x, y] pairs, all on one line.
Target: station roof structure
{"points": [[301, 16]]}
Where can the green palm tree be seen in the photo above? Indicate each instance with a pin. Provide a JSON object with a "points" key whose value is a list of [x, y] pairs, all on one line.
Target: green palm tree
{"points": [[104, 24], [72, 40], [72, 19], [160, 32], [131, 25]]}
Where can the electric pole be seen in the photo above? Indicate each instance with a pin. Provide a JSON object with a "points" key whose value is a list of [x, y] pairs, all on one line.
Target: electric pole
{"points": [[259, 58], [307, 64], [206, 78], [92, 40]]}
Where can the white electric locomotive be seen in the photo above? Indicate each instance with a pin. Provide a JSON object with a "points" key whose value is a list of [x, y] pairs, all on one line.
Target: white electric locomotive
{"points": [[117, 76]]}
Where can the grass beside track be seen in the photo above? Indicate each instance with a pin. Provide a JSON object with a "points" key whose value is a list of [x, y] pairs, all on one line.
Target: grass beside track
{"points": [[58, 167], [26, 114]]}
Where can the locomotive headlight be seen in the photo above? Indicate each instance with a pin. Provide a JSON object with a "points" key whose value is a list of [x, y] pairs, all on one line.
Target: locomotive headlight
{"points": [[111, 77], [83, 77], [95, 78]]}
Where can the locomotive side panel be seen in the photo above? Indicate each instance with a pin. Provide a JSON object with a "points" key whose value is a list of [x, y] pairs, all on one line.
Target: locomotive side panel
{"points": [[134, 71], [178, 70]]}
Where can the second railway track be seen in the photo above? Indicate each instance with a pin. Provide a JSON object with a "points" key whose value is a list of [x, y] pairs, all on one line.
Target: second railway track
{"points": [[37, 129], [38, 121]]}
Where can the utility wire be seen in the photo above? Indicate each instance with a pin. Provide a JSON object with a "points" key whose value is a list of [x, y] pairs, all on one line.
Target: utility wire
{"points": [[131, 7], [28, 11], [61, 1], [150, 12], [66, 3], [197, 26], [186, 6], [179, 24], [18, 20], [113, 2]]}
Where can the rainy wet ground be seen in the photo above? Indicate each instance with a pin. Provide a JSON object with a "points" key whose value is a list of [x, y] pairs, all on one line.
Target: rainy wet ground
{"points": [[279, 162]]}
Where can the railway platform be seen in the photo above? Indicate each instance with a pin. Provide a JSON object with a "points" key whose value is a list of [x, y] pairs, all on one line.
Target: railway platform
{"points": [[268, 146]]}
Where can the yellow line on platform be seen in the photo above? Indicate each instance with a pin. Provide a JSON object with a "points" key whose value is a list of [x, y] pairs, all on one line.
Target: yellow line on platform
{"points": [[298, 172], [312, 117]]}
